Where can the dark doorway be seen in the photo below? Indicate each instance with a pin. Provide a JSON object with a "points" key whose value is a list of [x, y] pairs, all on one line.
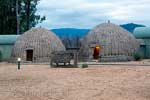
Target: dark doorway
{"points": [[29, 55], [96, 52], [143, 51], [0, 56]]}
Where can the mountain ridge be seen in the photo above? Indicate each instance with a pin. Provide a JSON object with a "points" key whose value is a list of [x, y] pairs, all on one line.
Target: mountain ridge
{"points": [[79, 32]]}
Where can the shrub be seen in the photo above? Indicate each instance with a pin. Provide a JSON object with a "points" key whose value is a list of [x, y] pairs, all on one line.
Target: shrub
{"points": [[84, 66], [137, 56]]}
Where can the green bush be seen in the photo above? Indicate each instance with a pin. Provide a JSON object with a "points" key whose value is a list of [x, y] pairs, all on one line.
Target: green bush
{"points": [[84, 66], [137, 56]]}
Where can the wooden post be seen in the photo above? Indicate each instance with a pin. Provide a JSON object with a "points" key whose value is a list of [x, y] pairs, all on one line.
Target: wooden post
{"points": [[76, 59]]}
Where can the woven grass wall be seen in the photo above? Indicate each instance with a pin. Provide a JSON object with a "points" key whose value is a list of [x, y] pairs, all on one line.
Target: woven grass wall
{"points": [[41, 41], [113, 39]]}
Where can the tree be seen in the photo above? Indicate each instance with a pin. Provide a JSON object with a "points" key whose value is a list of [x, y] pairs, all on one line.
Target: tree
{"points": [[7, 17], [71, 41], [28, 17], [17, 17], [26, 11]]}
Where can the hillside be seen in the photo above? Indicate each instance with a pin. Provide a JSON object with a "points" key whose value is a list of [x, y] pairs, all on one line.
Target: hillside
{"points": [[71, 36], [70, 32], [131, 26], [74, 32]]}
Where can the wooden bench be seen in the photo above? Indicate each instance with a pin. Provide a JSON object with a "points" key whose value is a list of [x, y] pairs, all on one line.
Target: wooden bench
{"points": [[61, 57]]}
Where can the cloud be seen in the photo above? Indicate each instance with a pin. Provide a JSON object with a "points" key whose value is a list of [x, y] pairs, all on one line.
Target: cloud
{"points": [[88, 13]]}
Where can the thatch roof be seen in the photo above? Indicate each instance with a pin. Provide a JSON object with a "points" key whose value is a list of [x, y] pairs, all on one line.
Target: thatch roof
{"points": [[142, 32], [8, 39], [113, 39], [41, 41]]}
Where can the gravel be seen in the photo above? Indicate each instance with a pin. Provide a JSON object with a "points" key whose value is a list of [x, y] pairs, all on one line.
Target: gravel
{"points": [[98, 82]]}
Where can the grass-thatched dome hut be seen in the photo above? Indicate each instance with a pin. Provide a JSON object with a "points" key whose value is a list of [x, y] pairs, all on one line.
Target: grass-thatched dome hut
{"points": [[143, 36], [112, 43], [37, 45]]}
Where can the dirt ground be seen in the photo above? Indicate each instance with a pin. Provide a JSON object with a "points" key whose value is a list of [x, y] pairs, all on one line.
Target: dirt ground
{"points": [[98, 82]]}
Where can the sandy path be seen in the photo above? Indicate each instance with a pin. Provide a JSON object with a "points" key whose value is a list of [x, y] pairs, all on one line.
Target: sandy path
{"points": [[39, 82]]}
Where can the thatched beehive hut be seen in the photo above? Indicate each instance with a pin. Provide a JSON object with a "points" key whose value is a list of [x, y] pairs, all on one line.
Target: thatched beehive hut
{"points": [[112, 42], [36, 45]]}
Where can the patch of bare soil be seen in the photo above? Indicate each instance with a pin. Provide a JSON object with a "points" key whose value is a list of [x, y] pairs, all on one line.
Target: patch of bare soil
{"points": [[40, 82]]}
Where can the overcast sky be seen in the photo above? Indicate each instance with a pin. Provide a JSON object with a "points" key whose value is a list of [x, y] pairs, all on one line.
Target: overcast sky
{"points": [[88, 13]]}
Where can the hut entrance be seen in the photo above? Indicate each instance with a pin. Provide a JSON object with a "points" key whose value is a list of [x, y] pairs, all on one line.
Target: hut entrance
{"points": [[29, 55], [0, 55], [96, 52], [143, 50]]}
